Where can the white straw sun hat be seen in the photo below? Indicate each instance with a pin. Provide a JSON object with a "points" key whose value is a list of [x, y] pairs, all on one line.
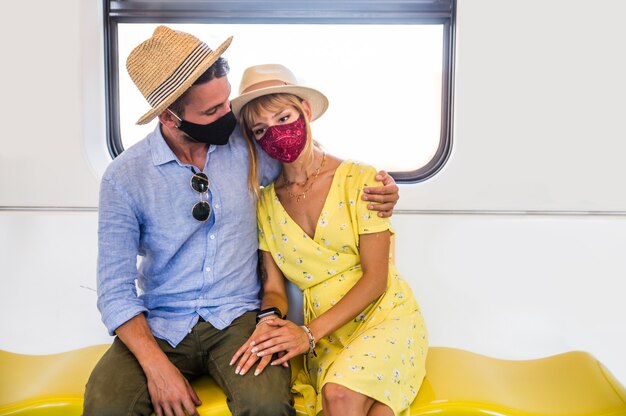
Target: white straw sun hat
{"points": [[268, 79], [166, 65]]}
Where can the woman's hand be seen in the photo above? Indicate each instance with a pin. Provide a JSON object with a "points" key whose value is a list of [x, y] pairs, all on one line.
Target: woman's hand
{"points": [[384, 197], [286, 337], [247, 357]]}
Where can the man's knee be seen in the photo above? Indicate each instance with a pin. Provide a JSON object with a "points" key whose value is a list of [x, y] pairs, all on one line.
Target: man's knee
{"points": [[117, 386], [263, 405], [107, 406], [269, 394], [102, 401]]}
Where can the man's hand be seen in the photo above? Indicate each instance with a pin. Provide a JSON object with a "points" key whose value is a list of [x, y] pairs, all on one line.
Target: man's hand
{"points": [[170, 392], [245, 357], [286, 339], [384, 197]]}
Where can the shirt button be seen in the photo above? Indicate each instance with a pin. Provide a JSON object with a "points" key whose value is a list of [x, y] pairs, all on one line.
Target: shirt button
{"points": [[217, 205], [208, 269], [212, 236]]}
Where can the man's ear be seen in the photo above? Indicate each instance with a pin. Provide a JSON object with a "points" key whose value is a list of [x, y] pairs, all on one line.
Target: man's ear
{"points": [[168, 120]]}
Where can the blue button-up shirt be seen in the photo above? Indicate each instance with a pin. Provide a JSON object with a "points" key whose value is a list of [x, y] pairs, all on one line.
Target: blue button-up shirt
{"points": [[186, 268]]}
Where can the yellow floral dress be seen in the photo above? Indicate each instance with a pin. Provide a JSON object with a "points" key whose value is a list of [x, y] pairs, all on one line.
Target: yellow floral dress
{"points": [[382, 352]]}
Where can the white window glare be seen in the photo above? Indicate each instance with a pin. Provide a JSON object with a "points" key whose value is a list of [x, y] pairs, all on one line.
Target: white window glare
{"points": [[384, 82]]}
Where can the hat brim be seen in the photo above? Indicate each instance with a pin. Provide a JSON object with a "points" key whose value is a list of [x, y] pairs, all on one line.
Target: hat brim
{"points": [[195, 74], [317, 100]]}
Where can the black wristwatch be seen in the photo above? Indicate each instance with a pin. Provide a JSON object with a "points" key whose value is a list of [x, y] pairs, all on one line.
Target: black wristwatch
{"points": [[268, 312]]}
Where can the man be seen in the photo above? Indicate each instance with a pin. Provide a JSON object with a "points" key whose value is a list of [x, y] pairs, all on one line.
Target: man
{"points": [[179, 198]]}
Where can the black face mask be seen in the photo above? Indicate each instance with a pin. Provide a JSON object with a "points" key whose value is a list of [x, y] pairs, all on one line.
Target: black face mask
{"points": [[216, 133]]}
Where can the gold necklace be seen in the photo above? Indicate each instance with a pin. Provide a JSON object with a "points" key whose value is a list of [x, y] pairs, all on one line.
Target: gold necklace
{"points": [[310, 182]]}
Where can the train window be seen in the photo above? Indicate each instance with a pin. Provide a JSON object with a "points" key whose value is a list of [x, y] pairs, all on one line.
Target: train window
{"points": [[386, 68]]}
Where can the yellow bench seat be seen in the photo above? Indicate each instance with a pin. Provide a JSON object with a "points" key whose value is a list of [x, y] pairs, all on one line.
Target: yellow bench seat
{"points": [[458, 383]]}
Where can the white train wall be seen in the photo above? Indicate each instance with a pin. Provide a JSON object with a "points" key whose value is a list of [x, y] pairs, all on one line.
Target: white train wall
{"points": [[515, 249]]}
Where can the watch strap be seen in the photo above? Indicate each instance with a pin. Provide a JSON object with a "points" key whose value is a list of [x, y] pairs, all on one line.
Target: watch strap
{"points": [[267, 312]]}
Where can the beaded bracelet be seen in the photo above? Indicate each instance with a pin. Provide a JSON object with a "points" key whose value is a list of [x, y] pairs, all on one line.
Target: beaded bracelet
{"points": [[311, 339]]}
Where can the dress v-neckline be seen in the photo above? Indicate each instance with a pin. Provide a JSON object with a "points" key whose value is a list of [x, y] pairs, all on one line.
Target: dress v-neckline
{"points": [[317, 223]]}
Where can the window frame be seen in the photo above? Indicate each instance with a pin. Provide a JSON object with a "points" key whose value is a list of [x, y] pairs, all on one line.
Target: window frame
{"points": [[285, 12]]}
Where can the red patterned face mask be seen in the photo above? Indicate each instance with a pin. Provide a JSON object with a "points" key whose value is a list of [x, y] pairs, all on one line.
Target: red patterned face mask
{"points": [[285, 142]]}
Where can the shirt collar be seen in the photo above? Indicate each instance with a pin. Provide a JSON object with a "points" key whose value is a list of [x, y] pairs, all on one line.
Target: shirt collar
{"points": [[161, 152]]}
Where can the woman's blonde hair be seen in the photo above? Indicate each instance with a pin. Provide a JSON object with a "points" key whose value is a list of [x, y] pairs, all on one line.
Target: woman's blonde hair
{"points": [[273, 103]]}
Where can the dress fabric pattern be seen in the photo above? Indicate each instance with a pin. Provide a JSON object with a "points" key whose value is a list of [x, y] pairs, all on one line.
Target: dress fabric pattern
{"points": [[382, 352]]}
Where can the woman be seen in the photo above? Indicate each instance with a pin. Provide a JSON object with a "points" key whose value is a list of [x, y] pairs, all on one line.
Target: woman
{"points": [[364, 341]]}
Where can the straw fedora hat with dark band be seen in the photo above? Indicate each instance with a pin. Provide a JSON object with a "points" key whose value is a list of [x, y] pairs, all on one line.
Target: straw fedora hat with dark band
{"points": [[268, 79], [166, 65]]}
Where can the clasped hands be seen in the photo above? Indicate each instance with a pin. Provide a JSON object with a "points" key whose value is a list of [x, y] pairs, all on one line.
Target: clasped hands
{"points": [[273, 336]]}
